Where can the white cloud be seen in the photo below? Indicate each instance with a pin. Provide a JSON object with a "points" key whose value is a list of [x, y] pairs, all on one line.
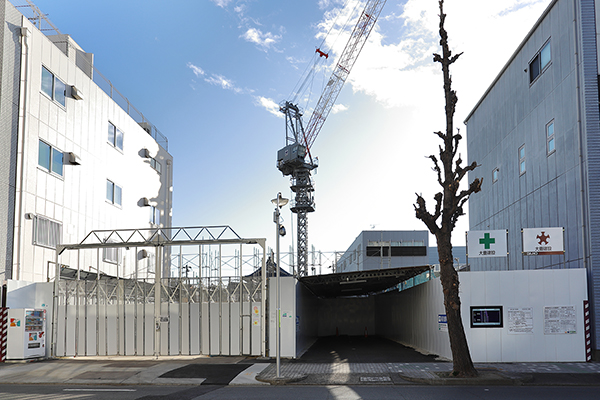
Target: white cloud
{"points": [[224, 83], [338, 108], [221, 3], [269, 105], [399, 72], [264, 40], [197, 70]]}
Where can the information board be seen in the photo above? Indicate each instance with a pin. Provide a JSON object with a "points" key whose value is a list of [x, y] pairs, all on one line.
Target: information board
{"points": [[520, 320], [560, 320]]}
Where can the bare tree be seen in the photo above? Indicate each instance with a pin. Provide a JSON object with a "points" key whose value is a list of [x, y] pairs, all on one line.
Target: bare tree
{"points": [[449, 205]]}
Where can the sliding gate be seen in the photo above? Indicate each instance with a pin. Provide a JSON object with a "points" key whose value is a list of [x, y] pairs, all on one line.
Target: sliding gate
{"points": [[133, 311]]}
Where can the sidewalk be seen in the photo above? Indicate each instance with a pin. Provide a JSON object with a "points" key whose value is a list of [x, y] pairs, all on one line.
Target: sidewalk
{"points": [[195, 370], [436, 373]]}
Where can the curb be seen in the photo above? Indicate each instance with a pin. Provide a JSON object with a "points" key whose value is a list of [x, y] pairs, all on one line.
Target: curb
{"points": [[282, 380], [485, 378]]}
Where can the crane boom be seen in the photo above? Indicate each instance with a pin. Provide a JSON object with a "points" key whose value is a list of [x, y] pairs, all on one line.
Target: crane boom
{"points": [[358, 38], [291, 160]]}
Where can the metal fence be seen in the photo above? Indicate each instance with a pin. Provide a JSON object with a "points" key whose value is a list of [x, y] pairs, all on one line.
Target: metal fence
{"points": [[216, 316]]}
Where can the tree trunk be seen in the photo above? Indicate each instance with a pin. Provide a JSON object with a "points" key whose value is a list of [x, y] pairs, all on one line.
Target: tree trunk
{"points": [[461, 357]]}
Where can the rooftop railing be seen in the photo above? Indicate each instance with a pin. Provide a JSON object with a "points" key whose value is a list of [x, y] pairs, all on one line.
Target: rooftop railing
{"points": [[41, 22]]}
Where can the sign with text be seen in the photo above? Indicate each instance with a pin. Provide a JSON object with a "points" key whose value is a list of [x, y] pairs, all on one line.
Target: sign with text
{"points": [[560, 320], [487, 243], [542, 241], [520, 320], [442, 323]]}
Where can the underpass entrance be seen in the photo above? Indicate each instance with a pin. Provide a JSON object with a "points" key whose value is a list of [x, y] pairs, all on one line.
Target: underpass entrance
{"points": [[340, 317]]}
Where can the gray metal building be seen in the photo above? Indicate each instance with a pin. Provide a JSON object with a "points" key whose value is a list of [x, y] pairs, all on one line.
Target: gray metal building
{"points": [[373, 250], [536, 134]]}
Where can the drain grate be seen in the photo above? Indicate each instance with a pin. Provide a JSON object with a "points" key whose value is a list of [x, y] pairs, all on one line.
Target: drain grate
{"points": [[375, 379]]}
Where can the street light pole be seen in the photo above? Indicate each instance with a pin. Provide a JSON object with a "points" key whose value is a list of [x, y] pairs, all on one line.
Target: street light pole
{"points": [[279, 202]]}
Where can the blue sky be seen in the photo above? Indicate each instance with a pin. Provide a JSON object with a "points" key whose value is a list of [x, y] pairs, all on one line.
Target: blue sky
{"points": [[209, 74]]}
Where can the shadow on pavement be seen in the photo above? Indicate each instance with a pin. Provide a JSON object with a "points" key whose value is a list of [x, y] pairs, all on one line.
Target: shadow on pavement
{"points": [[215, 374], [360, 349]]}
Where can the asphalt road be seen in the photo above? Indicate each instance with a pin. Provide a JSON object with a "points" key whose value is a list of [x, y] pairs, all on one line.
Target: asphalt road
{"points": [[376, 392]]}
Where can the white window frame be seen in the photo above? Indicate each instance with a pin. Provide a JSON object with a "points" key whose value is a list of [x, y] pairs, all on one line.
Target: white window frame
{"points": [[112, 255], [54, 152], [522, 160], [113, 198], [541, 60], [154, 163], [55, 95], [550, 138], [114, 141], [46, 232], [154, 215], [495, 175]]}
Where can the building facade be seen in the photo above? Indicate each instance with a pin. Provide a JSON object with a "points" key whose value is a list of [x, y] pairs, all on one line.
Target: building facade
{"points": [[81, 157], [536, 135], [373, 250]]}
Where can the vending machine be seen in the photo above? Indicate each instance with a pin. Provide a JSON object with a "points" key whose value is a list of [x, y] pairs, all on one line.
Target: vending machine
{"points": [[26, 333]]}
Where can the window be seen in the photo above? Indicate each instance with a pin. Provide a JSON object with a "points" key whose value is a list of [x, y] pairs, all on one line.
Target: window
{"points": [[115, 136], [50, 158], [53, 87], [156, 165], [46, 233], [113, 193], [495, 173], [154, 215], [522, 160], [413, 248], [409, 251], [550, 142], [111, 255], [539, 62]]}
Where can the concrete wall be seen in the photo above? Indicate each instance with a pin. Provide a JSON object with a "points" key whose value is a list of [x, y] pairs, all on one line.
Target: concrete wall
{"points": [[411, 317]]}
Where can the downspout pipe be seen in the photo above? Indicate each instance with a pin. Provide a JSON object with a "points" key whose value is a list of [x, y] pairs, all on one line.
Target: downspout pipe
{"points": [[22, 135]]}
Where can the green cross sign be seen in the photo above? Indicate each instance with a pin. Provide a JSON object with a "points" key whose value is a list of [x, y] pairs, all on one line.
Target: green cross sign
{"points": [[486, 240]]}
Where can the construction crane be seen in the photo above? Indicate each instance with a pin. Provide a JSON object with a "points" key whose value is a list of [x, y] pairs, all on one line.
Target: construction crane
{"points": [[295, 159]]}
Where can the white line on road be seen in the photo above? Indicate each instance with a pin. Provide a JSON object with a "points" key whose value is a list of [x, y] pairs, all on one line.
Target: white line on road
{"points": [[99, 390]]}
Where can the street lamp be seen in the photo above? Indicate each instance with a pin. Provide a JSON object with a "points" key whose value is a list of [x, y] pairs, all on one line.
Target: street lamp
{"points": [[280, 230]]}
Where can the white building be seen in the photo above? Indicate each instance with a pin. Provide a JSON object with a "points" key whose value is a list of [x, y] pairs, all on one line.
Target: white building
{"points": [[74, 157]]}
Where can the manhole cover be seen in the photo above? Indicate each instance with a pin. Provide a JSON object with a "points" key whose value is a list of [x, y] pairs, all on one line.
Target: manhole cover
{"points": [[375, 379]]}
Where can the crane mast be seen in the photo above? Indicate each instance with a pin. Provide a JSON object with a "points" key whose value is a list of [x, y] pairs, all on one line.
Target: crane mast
{"points": [[292, 159]]}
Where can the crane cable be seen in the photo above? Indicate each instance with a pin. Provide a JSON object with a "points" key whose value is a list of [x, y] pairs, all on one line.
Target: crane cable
{"points": [[319, 55]]}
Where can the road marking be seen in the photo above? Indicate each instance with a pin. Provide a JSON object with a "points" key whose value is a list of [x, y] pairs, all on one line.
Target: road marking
{"points": [[99, 390]]}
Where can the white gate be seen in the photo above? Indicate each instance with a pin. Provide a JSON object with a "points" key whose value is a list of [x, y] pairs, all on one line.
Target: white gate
{"points": [[124, 314], [197, 316]]}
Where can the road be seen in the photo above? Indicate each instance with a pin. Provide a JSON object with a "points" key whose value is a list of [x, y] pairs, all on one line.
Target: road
{"points": [[376, 392]]}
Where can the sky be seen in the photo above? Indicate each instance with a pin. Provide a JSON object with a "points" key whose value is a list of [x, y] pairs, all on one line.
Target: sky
{"points": [[211, 73]]}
